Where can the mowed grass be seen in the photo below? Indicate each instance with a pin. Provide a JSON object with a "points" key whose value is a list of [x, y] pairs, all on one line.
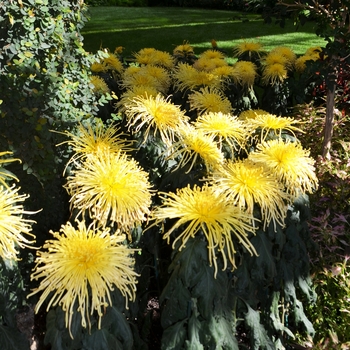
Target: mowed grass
{"points": [[164, 28]]}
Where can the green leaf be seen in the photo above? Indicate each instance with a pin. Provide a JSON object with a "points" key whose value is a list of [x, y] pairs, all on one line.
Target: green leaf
{"points": [[177, 306], [220, 334], [174, 336], [258, 336], [194, 327], [275, 315], [117, 324], [209, 289], [101, 339], [58, 335], [12, 339], [264, 265], [190, 259]]}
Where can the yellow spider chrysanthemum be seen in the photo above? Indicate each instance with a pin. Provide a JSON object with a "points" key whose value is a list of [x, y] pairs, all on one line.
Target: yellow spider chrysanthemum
{"points": [[244, 73], [188, 78], [155, 113], [95, 140], [300, 62], [314, 51], [209, 99], [251, 114], [111, 187], [97, 67], [136, 91], [274, 74], [112, 62], [287, 52], [194, 145], [249, 47], [290, 163], [224, 127], [269, 122], [213, 54], [247, 184], [183, 50], [13, 227], [100, 86], [3, 173], [204, 64], [130, 71], [140, 77], [79, 269], [160, 74], [150, 56], [276, 57], [164, 59], [223, 72], [207, 210], [145, 55]]}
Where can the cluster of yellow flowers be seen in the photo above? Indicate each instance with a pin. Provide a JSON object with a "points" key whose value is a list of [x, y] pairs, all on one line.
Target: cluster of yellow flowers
{"points": [[249, 167], [110, 190]]}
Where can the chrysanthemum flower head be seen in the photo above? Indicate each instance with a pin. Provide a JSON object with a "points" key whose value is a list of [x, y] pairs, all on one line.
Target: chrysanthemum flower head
{"points": [[290, 163], [244, 73], [98, 67], [188, 78], [89, 140], [223, 127], [156, 113], [81, 266], [160, 74], [209, 99], [274, 57], [251, 114], [300, 62], [14, 229], [110, 188], [224, 72], [249, 184], [184, 50], [140, 77], [136, 91], [194, 145], [269, 122], [145, 55], [204, 64], [164, 59], [112, 62], [99, 85], [4, 173], [314, 51], [206, 210], [248, 47], [274, 74], [151, 56], [287, 52], [213, 54]]}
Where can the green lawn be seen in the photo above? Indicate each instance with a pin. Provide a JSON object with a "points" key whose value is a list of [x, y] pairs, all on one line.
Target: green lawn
{"points": [[166, 27]]}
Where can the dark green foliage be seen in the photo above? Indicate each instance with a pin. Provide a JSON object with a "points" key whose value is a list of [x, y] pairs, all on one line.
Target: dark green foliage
{"points": [[11, 300], [44, 79], [260, 303]]}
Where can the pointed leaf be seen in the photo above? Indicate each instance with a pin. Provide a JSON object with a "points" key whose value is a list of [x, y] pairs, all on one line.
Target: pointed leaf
{"points": [[258, 335], [174, 336], [118, 326], [12, 339], [209, 288]]}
